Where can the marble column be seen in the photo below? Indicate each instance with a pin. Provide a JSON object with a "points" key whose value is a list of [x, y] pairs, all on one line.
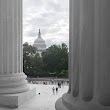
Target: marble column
{"points": [[12, 78], [89, 59]]}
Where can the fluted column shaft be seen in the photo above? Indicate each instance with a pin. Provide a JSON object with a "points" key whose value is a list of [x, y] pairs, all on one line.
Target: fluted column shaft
{"points": [[89, 64], [11, 55]]}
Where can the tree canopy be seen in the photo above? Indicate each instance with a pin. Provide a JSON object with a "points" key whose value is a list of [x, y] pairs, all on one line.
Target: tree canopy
{"points": [[54, 61]]}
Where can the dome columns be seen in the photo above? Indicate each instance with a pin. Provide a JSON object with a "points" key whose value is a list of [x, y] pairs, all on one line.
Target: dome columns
{"points": [[89, 57]]}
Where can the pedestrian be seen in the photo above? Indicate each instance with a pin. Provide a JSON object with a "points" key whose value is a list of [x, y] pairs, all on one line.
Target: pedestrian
{"points": [[53, 90], [58, 84], [56, 90]]}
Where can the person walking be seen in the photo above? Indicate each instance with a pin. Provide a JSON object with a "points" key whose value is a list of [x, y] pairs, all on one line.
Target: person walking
{"points": [[53, 89], [56, 90]]}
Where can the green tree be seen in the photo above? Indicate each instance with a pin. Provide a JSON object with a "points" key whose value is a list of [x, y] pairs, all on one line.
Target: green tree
{"points": [[28, 55], [37, 65], [56, 58]]}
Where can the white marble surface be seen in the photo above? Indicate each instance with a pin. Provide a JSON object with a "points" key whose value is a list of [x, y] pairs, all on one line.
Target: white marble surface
{"points": [[45, 101], [12, 78]]}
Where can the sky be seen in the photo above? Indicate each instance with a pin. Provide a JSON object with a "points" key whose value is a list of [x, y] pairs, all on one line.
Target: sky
{"points": [[50, 16]]}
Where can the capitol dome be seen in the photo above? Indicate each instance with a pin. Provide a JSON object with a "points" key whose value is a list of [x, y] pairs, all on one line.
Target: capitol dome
{"points": [[39, 40], [39, 43]]}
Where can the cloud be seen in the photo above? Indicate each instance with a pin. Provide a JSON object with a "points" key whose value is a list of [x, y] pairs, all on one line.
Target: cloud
{"points": [[51, 16]]}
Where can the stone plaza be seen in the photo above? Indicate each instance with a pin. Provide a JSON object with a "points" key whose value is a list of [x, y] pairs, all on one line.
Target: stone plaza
{"points": [[45, 101]]}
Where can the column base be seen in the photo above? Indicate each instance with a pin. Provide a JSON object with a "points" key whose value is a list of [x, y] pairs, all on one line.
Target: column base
{"points": [[13, 83], [67, 102], [59, 105], [14, 100]]}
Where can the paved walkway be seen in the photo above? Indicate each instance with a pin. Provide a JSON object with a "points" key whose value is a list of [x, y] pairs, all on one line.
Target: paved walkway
{"points": [[45, 101]]}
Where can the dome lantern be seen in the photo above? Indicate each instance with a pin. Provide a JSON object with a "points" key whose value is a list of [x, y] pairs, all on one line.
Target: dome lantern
{"points": [[39, 34]]}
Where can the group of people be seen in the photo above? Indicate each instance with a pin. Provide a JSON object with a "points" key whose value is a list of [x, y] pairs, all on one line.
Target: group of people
{"points": [[59, 86], [55, 89]]}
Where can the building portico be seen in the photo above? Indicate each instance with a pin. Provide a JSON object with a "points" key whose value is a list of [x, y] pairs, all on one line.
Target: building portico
{"points": [[89, 57]]}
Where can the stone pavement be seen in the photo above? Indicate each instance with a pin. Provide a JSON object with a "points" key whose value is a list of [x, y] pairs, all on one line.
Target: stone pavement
{"points": [[45, 101]]}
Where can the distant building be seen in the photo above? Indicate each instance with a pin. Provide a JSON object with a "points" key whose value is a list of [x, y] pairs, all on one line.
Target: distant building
{"points": [[39, 43]]}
